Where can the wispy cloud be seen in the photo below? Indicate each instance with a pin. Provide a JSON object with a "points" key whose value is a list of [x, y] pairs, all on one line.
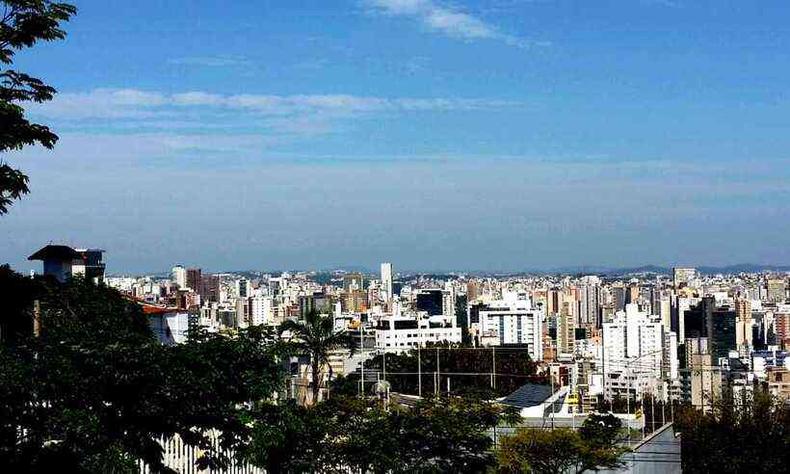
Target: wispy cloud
{"points": [[134, 103], [211, 61], [206, 122], [448, 20]]}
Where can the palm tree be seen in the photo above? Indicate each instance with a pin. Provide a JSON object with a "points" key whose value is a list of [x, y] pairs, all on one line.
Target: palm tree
{"points": [[315, 337]]}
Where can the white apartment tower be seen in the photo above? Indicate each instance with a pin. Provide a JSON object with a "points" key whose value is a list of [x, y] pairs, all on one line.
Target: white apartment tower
{"points": [[386, 282], [179, 276], [634, 354], [511, 321]]}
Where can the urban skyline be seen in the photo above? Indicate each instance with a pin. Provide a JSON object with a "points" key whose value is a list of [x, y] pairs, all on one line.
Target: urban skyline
{"points": [[394, 236]]}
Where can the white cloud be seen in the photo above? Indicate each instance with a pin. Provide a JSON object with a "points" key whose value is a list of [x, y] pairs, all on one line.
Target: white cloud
{"points": [[184, 115], [108, 103], [447, 20], [133, 103], [211, 61]]}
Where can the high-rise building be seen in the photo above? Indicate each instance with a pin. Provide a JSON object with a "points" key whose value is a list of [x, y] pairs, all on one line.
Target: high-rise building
{"points": [[776, 290], [262, 310], [782, 328], [511, 321], [590, 302], [706, 320], [633, 294], [243, 289], [633, 354], [471, 291], [619, 296], [194, 279], [743, 325], [702, 378], [566, 328], [179, 276], [682, 276], [353, 282], [664, 309], [386, 282], [209, 288], [430, 301]]}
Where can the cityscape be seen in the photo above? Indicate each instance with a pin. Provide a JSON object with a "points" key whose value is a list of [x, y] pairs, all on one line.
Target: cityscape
{"points": [[600, 342], [394, 237]]}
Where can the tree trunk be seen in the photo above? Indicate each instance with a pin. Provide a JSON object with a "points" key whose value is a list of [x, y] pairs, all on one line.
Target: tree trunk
{"points": [[316, 380]]}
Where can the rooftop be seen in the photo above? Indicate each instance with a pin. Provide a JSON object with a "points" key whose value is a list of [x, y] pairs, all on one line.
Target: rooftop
{"points": [[56, 252]]}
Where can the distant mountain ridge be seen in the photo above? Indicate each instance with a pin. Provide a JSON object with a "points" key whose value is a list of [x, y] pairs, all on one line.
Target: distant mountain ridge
{"points": [[706, 270], [568, 270]]}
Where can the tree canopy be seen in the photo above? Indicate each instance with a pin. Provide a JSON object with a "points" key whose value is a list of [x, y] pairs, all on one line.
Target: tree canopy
{"points": [[468, 370], [748, 432], [23, 24], [551, 451], [95, 389], [436, 435]]}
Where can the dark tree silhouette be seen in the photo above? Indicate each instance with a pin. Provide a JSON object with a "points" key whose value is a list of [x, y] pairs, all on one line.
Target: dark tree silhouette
{"points": [[747, 432], [94, 390], [23, 24]]}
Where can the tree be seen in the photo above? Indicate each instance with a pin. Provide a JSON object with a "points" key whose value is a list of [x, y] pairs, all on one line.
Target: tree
{"points": [[468, 369], [747, 432], [349, 434], [16, 294], [24, 23], [562, 450], [601, 431], [94, 391], [451, 434], [539, 451], [315, 337]]}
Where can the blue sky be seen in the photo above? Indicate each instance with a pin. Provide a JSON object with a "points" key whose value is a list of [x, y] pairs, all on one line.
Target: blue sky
{"points": [[487, 135]]}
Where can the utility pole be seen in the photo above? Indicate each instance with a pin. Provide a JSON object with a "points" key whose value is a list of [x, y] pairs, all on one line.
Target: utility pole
{"points": [[36, 318], [644, 416], [493, 367], [438, 376], [362, 352], [419, 359], [419, 371], [628, 391], [652, 412], [552, 404]]}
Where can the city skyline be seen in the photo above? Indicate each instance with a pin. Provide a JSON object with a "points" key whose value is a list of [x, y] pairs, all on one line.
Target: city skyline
{"points": [[394, 236], [492, 135]]}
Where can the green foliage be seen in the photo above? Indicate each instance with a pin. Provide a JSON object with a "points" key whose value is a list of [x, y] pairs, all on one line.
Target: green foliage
{"points": [[601, 430], [95, 390], [562, 450], [23, 24], [437, 435], [618, 404], [473, 365], [749, 432], [315, 337], [16, 296]]}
